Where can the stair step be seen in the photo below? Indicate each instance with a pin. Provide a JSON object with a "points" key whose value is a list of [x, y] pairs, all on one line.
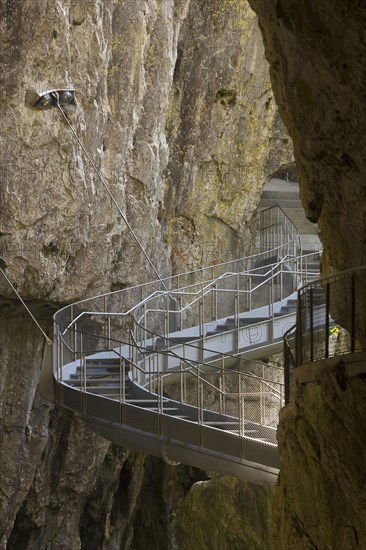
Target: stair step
{"points": [[246, 320], [283, 203], [101, 369], [104, 363], [93, 377], [288, 309], [282, 195]]}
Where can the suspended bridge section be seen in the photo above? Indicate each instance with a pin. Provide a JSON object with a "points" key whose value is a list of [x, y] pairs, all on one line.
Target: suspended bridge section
{"points": [[173, 367]]}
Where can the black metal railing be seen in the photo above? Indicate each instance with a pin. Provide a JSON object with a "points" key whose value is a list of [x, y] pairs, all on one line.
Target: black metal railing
{"points": [[330, 321]]}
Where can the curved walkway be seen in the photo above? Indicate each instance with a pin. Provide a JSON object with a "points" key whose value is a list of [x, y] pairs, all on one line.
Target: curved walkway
{"points": [[170, 367]]}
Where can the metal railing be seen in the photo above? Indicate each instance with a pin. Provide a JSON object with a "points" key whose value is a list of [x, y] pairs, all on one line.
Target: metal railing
{"points": [[159, 340], [249, 402], [330, 321], [194, 299]]}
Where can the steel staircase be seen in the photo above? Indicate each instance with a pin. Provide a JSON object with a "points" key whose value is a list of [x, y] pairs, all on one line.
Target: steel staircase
{"points": [[175, 373]]}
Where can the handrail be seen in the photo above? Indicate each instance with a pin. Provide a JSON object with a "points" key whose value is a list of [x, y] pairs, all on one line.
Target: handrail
{"points": [[173, 278], [193, 371], [127, 326]]}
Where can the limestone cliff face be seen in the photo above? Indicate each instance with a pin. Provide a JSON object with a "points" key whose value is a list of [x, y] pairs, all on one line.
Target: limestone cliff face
{"points": [[225, 135], [175, 108], [320, 501], [317, 54]]}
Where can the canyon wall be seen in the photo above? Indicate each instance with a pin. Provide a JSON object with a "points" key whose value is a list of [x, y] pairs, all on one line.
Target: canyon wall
{"points": [[174, 105], [317, 55]]}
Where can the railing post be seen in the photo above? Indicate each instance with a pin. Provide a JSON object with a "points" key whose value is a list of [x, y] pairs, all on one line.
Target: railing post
{"points": [[123, 380], [237, 324], [298, 334], [327, 300], [220, 395], [260, 403], [179, 313], [238, 290], [223, 384], [122, 391], [250, 294], [353, 313], [311, 325], [83, 377], [287, 367], [181, 382], [240, 407], [75, 341], [198, 397], [214, 303], [184, 386], [166, 330], [271, 311], [201, 328], [144, 324], [109, 332], [159, 402]]}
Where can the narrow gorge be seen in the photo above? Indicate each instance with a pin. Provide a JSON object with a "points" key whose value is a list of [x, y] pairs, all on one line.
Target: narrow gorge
{"points": [[180, 104]]}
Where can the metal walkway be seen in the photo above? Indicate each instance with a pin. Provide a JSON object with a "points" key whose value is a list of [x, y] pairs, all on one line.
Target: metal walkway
{"points": [[171, 367]]}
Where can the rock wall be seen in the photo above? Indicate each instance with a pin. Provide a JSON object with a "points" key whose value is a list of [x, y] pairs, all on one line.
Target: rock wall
{"points": [[175, 108], [226, 138], [320, 501], [317, 54]]}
